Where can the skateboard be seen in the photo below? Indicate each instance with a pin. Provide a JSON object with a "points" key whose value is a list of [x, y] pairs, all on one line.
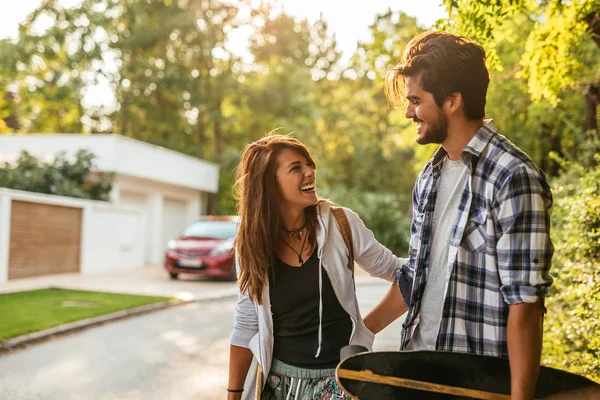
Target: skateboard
{"points": [[437, 375]]}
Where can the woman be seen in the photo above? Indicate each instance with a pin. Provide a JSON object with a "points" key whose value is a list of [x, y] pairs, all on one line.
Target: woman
{"points": [[297, 306]]}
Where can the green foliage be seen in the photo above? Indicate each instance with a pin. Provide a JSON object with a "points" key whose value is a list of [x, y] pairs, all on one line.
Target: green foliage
{"points": [[48, 70], [559, 51], [382, 213], [573, 321], [60, 177]]}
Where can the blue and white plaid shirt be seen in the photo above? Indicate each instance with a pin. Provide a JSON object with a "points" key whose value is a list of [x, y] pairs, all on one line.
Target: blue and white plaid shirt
{"points": [[500, 248]]}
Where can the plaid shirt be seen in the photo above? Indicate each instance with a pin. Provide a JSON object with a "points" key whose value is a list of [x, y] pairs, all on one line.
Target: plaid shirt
{"points": [[500, 249]]}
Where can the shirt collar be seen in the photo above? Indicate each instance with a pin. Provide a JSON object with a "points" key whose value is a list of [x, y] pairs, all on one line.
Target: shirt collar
{"points": [[480, 140], [472, 150]]}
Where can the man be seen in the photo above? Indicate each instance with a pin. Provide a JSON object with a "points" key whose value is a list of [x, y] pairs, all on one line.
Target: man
{"points": [[480, 249]]}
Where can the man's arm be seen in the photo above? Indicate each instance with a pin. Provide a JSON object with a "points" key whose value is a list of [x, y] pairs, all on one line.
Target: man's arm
{"points": [[524, 255], [390, 308], [524, 338]]}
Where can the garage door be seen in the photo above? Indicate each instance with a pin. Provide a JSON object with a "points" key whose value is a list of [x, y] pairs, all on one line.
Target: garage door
{"points": [[174, 219], [44, 239]]}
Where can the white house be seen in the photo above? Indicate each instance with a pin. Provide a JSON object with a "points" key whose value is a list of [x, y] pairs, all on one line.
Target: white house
{"points": [[167, 188]]}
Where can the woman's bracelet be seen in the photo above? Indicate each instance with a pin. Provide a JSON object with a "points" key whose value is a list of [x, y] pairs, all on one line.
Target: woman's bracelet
{"points": [[235, 390]]}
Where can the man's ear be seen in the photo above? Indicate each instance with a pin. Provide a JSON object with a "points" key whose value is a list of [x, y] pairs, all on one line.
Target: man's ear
{"points": [[454, 102]]}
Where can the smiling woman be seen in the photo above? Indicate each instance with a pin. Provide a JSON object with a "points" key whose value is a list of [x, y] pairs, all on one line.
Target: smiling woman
{"points": [[297, 307]]}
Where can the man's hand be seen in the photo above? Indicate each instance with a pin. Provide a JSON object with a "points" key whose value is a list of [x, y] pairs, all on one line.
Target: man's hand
{"points": [[524, 336]]}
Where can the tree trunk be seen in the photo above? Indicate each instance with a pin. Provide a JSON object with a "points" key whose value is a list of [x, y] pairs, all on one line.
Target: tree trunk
{"points": [[591, 95], [591, 92], [200, 135], [217, 139], [593, 21]]}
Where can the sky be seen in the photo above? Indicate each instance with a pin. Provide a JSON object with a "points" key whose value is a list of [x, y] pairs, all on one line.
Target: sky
{"points": [[349, 20], [349, 23]]}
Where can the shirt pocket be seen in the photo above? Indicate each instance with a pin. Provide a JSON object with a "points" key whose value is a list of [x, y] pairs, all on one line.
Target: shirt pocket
{"points": [[475, 235]]}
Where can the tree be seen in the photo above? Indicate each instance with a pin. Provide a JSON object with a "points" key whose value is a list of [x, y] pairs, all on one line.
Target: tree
{"points": [[174, 71], [358, 133], [47, 70], [562, 49]]}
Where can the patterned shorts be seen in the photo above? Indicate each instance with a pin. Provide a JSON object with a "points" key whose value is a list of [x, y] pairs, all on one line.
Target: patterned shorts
{"points": [[286, 382]]}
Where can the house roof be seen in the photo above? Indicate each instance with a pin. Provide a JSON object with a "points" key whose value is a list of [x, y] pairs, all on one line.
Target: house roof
{"points": [[119, 154]]}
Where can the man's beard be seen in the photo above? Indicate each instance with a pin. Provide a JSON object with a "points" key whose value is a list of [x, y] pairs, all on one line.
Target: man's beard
{"points": [[436, 132]]}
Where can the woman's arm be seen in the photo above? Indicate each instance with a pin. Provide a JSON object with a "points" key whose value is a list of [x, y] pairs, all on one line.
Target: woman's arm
{"points": [[245, 327], [390, 308], [240, 359], [371, 255]]}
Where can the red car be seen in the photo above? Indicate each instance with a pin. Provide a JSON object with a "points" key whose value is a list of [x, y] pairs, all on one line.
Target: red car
{"points": [[204, 248]]}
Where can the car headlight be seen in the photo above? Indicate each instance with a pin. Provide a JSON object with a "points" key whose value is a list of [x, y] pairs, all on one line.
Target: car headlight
{"points": [[222, 248], [172, 244]]}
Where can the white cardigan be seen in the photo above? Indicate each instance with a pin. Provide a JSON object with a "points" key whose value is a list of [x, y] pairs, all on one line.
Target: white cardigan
{"points": [[253, 323]]}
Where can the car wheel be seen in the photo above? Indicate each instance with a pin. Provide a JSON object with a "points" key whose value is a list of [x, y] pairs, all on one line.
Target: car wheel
{"points": [[173, 275]]}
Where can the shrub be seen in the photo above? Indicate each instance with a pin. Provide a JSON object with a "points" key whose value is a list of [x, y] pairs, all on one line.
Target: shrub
{"points": [[572, 326], [60, 177]]}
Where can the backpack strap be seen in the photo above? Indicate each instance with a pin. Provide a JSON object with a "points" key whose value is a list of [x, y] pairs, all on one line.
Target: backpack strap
{"points": [[344, 227]]}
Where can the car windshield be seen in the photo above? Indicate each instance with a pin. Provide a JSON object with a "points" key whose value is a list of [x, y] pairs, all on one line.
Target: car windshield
{"points": [[211, 229]]}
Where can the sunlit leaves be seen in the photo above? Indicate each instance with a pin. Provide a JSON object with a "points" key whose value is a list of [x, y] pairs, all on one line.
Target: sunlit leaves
{"points": [[553, 55]]}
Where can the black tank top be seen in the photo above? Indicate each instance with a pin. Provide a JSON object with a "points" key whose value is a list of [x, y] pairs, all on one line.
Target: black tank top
{"points": [[294, 293]]}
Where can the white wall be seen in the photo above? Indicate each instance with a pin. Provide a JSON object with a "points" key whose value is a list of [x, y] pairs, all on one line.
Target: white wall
{"points": [[114, 238], [175, 219], [146, 176], [111, 236], [5, 207], [168, 209]]}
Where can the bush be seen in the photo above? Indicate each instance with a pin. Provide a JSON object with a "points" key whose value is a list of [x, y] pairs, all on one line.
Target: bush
{"points": [[572, 327], [61, 177]]}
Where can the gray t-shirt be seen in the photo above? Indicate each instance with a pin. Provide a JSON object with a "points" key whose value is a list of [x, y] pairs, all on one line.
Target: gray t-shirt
{"points": [[451, 183]]}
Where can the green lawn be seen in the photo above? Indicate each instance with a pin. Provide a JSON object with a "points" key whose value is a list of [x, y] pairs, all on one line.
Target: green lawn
{"points": [[31, 311]]}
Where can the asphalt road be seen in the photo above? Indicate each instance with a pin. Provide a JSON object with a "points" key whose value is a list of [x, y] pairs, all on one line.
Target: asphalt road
{"points": [[180, 354]]}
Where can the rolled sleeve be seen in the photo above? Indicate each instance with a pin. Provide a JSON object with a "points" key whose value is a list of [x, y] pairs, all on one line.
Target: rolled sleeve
{"points": [[524, 248]]}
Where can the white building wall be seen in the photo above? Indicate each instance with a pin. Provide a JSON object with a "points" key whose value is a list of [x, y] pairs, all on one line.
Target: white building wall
{"points": [[112, 236], [168, 210], [5, 207], [146, 177]]}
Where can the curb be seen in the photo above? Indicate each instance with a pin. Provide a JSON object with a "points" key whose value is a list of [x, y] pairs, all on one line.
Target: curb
{"points": [[19, 341]]}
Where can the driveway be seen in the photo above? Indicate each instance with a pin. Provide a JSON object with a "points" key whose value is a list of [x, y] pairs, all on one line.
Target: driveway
{"points": [[147, 280]]}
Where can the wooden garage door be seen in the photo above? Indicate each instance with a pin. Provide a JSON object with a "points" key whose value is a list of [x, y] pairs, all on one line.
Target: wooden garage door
{"points": [[44, 239]]}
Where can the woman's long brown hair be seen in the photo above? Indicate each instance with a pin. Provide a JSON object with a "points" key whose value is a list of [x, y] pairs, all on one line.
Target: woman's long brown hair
{"points": [[259, 202]]}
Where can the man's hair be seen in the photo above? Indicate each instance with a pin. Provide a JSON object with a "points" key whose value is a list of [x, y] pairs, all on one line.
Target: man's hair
{"points": [[445, 64]]}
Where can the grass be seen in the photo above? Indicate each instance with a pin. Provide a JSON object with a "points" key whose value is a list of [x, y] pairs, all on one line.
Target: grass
{"points": [[31, 311]]}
